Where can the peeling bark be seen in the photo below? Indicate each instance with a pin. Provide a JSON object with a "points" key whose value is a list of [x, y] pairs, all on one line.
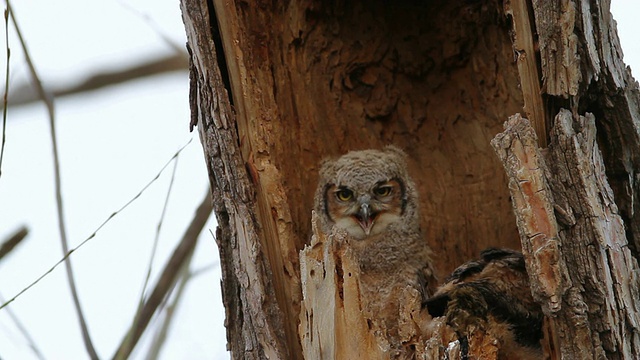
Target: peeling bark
{"points": [[580, 266], [255, 327]]}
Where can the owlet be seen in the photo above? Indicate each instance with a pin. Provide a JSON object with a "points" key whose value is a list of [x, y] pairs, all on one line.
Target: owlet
{"points": [[369, 195]]}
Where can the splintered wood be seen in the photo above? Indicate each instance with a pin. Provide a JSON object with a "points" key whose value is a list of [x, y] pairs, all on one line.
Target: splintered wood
{"points": [[524, 48], [568, 219], [517, 148], [331, 324], [333, 320]]}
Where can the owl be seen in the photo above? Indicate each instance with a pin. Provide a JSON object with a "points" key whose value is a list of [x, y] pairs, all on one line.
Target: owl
{"points": [[492, 294], [369, 195]]}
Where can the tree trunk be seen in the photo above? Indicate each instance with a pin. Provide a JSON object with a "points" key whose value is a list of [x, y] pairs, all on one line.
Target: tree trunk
{"points": [[277, 86]]}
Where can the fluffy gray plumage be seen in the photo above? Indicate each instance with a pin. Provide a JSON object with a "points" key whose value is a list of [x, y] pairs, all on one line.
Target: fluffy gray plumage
{"points": [[369, 195]]}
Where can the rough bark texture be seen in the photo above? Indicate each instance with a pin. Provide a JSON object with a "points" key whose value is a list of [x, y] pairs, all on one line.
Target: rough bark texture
{"points": [[582, 70], [602, 289], [255, 326], [276, 86], [595, 268], [582, 270]]}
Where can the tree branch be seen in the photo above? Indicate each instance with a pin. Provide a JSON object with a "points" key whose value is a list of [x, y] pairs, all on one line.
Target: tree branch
{"points": [[167, 279], [48, 100], [24, 94], [13, 241]]}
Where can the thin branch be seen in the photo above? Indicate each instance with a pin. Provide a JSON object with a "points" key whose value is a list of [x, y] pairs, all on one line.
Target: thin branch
{"points": [[13, 241], [23, 94], [24, 332], [48, 100], [155, 244], [186, 275], [169, 313], [167, 279], [157, 237], [96, 231], [6, 86]]}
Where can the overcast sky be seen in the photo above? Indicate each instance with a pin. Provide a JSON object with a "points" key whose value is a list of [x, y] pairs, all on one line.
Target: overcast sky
{"points": [[112, 142]]}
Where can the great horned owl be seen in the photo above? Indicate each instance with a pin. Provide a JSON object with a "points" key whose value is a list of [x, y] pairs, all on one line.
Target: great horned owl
{"points": [[492, 294], [370, 195]]}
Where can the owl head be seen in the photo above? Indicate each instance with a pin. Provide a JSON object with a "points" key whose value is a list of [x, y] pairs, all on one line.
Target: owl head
{"points": [[365, 192]]}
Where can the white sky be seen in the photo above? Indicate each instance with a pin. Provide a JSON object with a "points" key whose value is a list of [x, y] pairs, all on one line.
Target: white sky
{"points": [[112, 142]]}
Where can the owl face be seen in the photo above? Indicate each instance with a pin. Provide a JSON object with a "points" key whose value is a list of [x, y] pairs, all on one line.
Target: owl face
{"points": [[366, 192], [365, 209]]}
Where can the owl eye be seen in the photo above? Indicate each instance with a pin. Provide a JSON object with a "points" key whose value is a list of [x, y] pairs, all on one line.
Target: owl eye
{"points": [[344, 194], [382, 191]]}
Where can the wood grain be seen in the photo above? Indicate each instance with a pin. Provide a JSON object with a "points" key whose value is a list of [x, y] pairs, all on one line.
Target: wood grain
{"points": [[580, 265]]}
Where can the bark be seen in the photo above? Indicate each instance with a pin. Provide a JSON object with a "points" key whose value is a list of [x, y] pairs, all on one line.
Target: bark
{"points": [[582, 70], [276, 86], [254, 322], [593, 187], [580, 265]]}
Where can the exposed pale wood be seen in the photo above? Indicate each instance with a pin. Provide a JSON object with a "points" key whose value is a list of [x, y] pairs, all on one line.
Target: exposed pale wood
{"points": [[255, 326], [332, 325], [533, 205], [586, 260], [517, 148], [335, 323], [524, 47]]}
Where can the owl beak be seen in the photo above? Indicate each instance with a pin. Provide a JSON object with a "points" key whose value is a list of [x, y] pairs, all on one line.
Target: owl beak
{"points": [[365, 218]]}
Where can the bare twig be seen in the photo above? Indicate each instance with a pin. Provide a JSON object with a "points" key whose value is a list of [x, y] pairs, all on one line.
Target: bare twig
{"points": [[6, 86], [186, 275], [155, 244], [23, 94], [161, 334], [157, 236], [24, 332], [95, 231], [13, 241], [167, 279], [48, 100]]}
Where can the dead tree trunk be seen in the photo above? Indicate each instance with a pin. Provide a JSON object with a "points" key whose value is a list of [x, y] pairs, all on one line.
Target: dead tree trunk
{"points": [[276, 86]]}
